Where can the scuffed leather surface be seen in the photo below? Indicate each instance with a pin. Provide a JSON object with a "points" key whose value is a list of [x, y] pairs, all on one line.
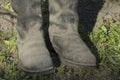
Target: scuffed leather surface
{"points": [[33, 54], [64, 34]]}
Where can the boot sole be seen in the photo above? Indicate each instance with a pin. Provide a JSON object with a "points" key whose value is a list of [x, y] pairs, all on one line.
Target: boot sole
{"points": [[77, 65], [45, 71]]}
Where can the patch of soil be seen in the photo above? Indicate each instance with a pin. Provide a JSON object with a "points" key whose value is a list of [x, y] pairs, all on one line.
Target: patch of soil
{"points": [[7, 24]]}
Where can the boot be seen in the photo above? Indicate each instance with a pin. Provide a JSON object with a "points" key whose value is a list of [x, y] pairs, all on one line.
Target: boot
{"points": [[64, 34], [33, 54]]}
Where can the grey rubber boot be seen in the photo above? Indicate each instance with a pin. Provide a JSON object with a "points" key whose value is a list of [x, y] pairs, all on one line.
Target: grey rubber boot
{"points": [[64, 34], [33, 54]]}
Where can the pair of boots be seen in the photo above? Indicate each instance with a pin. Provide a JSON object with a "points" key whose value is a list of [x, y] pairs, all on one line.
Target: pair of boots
{"points": [[63, 32]]}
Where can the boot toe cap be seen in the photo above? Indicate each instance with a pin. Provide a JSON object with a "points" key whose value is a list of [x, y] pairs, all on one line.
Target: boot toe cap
{"points": [[80, 59], [40, 63]]}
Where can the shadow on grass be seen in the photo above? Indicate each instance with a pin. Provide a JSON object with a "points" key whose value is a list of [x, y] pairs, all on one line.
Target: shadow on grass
{"points": [[88, 11]]}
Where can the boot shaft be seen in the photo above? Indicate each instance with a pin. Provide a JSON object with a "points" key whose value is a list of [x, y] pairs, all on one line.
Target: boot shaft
{"points": [[29, 14], [64, 14], [63, 9], [27, 7]]}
